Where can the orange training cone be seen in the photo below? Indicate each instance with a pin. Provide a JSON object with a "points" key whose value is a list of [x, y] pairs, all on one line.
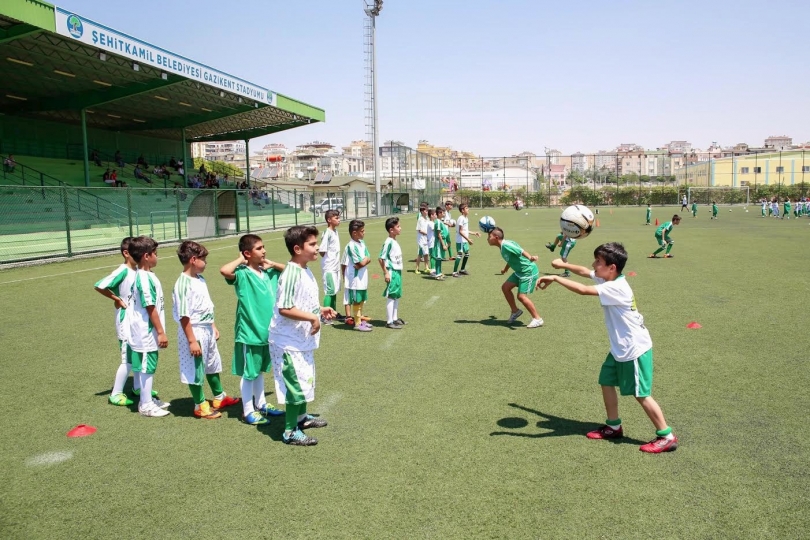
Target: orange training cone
{"points": [[656, 222]]}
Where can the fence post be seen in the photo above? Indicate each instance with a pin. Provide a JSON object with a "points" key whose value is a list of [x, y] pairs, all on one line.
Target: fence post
{"points": [[312, 207], [177, 205], [42, 183], [295, 205], [236, 208], [247, 209], [216, 212], [67, 221], [273, 206], [129, 209]]}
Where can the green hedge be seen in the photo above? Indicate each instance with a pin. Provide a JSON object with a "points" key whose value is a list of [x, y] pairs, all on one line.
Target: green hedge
{"points": [[500, 198]]}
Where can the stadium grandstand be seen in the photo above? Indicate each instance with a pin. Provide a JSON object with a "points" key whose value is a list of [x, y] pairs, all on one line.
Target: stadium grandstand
{"points": [[81, 103]]}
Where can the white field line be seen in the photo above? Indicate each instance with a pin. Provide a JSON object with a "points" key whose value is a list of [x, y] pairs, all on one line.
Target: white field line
{"points": [[330, 401], [390, 341], [48, 458], [430, 301]]}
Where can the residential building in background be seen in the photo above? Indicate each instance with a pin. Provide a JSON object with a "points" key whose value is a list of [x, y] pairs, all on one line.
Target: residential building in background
{"points": [[779, 142]]}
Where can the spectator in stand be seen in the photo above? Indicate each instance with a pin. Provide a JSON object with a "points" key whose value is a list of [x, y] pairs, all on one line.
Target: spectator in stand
{"points": [[95, 159], [202, 170], [140, 175], [118, 159], [180, 171], [9, 164], [114, 178], [142, 162], [173, 163]]}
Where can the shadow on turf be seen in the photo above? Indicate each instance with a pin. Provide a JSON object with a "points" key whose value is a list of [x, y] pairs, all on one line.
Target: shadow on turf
{"points": [[492, 320], [558, 426]]}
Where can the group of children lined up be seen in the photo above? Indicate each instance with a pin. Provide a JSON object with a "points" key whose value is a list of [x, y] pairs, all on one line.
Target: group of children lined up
{"points": [[433, 239], [277, 323], [801, 208]]}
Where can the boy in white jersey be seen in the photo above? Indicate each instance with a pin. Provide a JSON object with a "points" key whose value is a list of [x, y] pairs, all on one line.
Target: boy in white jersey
{"points": [[197, 334], [422, 244], [117, 287], [330, 262], [295, 334], [629, 364], [463, 241], [431, 239], [357, 273], [254, 280], [391, 263], [145, 321]]}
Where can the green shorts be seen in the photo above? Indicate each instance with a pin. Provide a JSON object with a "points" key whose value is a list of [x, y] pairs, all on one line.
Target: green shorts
{"points": [[357, 296], [462, 248], [250, 361], [660, 240], [143, 362], [566, 248], [526, 284], [394, 289], [634, 377]]}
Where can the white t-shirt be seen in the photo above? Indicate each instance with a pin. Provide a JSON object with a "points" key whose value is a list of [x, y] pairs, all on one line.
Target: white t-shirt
{"points": [[431, 233], [391, 253], [421, 230], [190, 298], [356, 279], [628, 336], [462, 225], [120, 283], [298, 288], [146, 291], [330, 245]]}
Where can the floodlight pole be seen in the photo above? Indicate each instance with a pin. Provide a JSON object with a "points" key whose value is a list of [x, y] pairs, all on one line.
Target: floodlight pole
{"points": [[372, 12]]}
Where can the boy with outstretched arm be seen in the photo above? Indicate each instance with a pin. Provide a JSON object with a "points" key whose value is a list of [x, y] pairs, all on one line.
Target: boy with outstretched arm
{"points": [[629, 364], [391, 263], [463, 241], [524, 276], [295, 331], [254, 280], [197, 334]]}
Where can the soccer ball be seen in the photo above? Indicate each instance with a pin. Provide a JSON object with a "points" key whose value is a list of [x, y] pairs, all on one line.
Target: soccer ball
{"points": [[576, 221], [486, 224]]}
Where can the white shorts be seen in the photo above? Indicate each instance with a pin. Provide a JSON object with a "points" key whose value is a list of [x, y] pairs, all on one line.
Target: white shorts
{"points": [[422, 247], [294, 375], [345, 296], [193, 370], [331, 283], [123, 346]]}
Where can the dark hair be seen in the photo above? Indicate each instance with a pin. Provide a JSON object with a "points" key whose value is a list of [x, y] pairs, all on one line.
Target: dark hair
{"points": [[462, 206], [439, 209], [431, 211], [612, 253], [125, 244], [330, 214], [448, 202], [298, 235], [391, 222], [140, 246], [247, 241], [676, 217], [423, 204], [355, 225], [498, 232], [189, 249]]}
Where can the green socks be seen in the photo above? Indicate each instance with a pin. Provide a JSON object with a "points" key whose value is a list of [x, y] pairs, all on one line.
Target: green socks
{"points": [[464, 262], [455, 264], [197, 393], [291, 416], [215, 383], [664, 432]]}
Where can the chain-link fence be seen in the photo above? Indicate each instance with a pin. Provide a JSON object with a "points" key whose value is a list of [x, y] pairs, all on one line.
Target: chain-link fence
{"points": [[60, 221]]}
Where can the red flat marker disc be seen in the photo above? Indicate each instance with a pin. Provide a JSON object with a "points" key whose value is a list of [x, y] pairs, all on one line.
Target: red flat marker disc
{"points": [[632, 274], [693, 325], [82, 430]]}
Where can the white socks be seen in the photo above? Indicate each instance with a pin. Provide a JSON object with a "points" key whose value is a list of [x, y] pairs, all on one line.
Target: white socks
{"points": [[258, 391], [121, 378], [390, 309], [246, 388], [146, 387]]}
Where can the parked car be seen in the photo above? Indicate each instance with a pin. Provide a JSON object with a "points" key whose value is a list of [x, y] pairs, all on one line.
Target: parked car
{"points": [[330, 203]]}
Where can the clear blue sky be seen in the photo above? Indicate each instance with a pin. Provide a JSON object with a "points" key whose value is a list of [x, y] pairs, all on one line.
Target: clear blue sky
{"points": [[500, 77]]}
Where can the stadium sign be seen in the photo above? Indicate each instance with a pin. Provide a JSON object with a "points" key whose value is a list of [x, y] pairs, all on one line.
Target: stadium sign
{"points": [[106, 39]]}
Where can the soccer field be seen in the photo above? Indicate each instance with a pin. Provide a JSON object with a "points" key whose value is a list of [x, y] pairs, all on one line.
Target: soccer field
{"points": [[457, 426]]}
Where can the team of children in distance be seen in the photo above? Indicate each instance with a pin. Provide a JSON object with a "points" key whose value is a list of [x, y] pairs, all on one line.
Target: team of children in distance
{"points": [[279, 315]]}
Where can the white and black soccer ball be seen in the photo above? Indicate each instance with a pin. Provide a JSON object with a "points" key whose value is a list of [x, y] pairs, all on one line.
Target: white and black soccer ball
{"points": [[576, 221], [486, 224]]}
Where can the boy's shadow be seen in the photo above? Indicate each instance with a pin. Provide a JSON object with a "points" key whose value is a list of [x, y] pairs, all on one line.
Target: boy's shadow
{"points": [[492, 320], [558, 426]]}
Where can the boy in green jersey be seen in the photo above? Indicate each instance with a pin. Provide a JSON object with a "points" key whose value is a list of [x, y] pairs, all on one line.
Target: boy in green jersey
{"points": [[629, 364], [649, 214], [715, 210], [442, 242], [254, 280], [694, 209], [566, 245], [786, 208], [524, 276], [662, 236]]}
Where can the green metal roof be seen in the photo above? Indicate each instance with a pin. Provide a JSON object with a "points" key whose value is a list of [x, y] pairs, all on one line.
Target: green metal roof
{"points": [[53, 77]]}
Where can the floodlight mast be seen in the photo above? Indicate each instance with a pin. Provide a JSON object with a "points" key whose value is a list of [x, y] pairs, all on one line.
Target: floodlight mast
{"points": [[372, 9]]}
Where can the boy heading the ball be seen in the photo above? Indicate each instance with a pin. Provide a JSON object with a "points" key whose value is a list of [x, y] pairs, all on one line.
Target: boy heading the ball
{"points": [[629, 364], [524, 276]]}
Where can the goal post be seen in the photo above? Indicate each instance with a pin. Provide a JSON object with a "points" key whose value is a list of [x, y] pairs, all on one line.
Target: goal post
{"points": [[720, 195]]}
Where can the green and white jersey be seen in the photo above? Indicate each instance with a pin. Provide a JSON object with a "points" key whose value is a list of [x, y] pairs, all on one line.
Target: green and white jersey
{"points": [[120, 283], [190, 298], [694, 207], [649, 213], [146, 291], [391, 253], [664, 229], [566, 244], [296, 288], [787, 206], [628, 336], [330, 245], [462, 226], [440, 229], [512, 254], [255, 297], [714, 208], [356, 279]]}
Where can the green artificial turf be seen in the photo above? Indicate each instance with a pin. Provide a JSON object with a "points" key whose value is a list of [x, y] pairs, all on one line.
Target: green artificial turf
{"points": [[457, 426]]}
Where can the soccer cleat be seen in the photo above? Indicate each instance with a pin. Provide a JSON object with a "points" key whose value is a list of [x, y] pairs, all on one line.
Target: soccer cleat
{"points": [[326, 322], [204, 410], [551, 247], [152, 410], [363, 327], [298, 438], [417, 271], [121, 400], [566, 274], [606, 432], [340, 318], [652, 256], [160, 404], [660, 444], [514, 316], [255, 419], [137, 392], [439, 277], [227, 401], [400, 322], [668, 256], [536, 323], [393, 326], [312, 422], [464, 272], [269, 410], [455, 274]]}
